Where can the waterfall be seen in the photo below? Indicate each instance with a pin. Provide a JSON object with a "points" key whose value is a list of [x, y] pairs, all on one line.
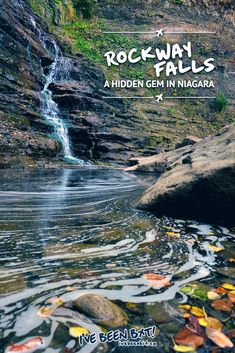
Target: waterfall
{"points": [[59, 70]]}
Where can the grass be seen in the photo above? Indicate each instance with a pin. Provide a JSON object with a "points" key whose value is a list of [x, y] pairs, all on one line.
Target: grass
{"points": [[87, 38]]}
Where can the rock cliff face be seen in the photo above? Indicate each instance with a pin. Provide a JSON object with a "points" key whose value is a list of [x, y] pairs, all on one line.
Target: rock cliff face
{"points": [[196, 181], [91, 122], [99, 129], [20, 81]]}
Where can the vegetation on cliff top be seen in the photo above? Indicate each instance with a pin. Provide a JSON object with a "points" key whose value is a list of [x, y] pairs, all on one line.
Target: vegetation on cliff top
{"points": [[79, 25]]}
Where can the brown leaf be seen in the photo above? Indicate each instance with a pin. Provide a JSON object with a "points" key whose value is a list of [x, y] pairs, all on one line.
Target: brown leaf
{"points": [[211, 322], [223, 305], [187, 338], [231, 333], [218, 338], [193, 324], [214, 349]]}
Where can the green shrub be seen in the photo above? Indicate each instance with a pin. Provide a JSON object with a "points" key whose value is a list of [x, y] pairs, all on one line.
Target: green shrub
{"points": [[220, 103], [85, 7], [178, 2]]}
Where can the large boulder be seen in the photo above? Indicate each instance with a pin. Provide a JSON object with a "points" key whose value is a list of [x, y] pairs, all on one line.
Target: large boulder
{"points": [[101, 309], [196, 182]]}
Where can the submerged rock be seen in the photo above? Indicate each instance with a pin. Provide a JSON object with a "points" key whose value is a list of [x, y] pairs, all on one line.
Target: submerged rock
{"points": [[196, 182], [101, 309], [226, 271], [161, 312]]}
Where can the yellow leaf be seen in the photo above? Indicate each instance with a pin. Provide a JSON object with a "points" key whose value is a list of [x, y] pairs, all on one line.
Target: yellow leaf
{"points": [[103, 329], [197, 311], [70, 289], [202, 321], [231, 259], [179, 348], [216, 248], [56, 301], [211, 233], [213, 295], [131, 306], [211, 322], [228, 286], [44, 311], [173, 234], [185, 306], [77, 331]]}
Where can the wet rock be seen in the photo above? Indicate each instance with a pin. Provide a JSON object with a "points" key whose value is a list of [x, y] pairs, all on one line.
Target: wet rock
{"points": [[98, 129], [206, 179], [13, 284], [101, 309], [115, 130], [227, 271], [161, 312]]}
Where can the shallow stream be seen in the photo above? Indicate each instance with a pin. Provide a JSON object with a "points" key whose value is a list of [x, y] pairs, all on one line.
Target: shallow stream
{"points": [[65, 232]]}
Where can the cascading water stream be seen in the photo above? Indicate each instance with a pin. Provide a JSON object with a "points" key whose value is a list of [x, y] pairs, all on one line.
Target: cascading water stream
{"points": [[59, 70]]}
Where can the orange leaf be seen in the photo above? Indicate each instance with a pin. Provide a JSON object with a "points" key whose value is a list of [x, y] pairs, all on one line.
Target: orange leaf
{"points": [[218, 338], [231, 297], [153, 277], [187, 338], [186, 315], [222, 305], [221, 290], [28, 347], [160, 284], [157, 281]]}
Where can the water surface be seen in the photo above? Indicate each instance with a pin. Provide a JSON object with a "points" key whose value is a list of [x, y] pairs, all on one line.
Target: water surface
{"points": [[65, 232]]}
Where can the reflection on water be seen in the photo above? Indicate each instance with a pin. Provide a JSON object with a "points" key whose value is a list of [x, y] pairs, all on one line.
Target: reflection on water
{"points": [[79, 228]]}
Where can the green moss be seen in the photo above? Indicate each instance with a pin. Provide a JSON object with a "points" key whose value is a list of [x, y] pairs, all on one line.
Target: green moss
{"points": [[178, 2], [87, 38], [38, 6], [19, 120], [171, 111], [54, 11]]}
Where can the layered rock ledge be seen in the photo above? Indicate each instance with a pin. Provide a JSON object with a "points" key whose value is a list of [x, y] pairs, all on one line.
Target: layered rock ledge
{"points": [[196, 181]]}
